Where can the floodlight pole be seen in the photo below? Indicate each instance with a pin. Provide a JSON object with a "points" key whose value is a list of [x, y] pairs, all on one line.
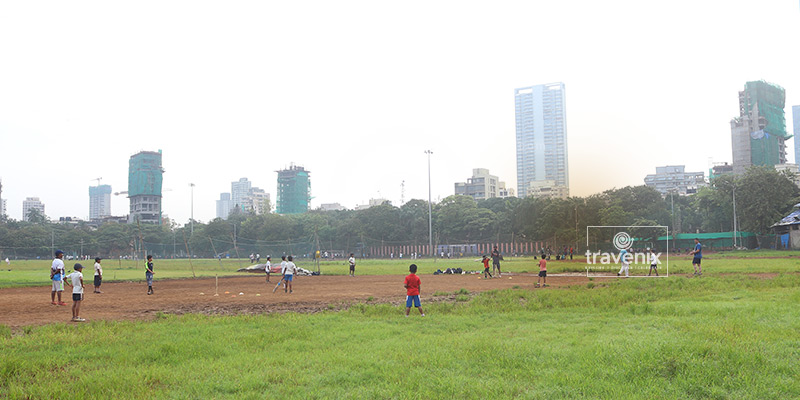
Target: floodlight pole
{"points": [[734, 217], [192, 215], [430, 215]]}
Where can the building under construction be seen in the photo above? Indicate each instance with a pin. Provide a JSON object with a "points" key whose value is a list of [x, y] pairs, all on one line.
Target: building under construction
{"points": [[145, 176], [294, 190], [759, 133]]}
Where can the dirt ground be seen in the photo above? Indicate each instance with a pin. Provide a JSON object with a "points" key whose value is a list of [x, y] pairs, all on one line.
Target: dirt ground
{"points": [[129, 301]]}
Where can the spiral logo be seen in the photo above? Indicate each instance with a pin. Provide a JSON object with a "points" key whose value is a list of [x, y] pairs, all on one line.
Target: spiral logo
{"points": [[622, 241]]}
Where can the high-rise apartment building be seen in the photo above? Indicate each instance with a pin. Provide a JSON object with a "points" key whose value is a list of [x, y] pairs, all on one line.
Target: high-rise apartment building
{"points": [[541, 125], [481, 186], [294, 190], [240, 193], [145, 177], [759, 134], [796, 123], [259, 201], [99, 201], [31, 203], [224, 205]]}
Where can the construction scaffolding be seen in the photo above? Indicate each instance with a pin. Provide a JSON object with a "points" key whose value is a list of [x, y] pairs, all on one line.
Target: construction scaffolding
{"points": [[145, 177], [764, 103], [294, 190]]}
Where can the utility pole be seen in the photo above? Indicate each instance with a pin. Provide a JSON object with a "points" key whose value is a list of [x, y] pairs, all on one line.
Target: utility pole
{"points": [[430, 215]]}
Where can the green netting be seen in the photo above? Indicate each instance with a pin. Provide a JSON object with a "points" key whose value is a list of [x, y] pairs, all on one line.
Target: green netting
{"points": [[293, 191], [770, 100]]}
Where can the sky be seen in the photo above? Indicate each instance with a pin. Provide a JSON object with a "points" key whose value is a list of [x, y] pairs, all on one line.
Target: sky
{"points": [[356, 91]]}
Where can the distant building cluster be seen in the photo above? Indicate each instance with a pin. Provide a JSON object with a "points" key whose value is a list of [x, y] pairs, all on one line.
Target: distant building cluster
{"points": [[244, 197]]}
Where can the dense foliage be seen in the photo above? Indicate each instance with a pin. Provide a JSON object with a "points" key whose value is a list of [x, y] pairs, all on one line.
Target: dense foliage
{"points": [[763, 196]]}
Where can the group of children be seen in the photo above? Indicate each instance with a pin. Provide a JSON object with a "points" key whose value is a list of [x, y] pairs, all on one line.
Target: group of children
{"points": [[58, 277]]}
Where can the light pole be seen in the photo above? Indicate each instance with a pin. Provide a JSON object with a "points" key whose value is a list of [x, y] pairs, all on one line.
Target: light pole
{"points": [[430, 215], [735, 227], [191, 231]]}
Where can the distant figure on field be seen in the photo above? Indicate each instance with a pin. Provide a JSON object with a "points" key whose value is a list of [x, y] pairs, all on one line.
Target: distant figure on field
{"points": [[258, 257], [542, 273], [623, 259], [698, 256], [148, 274], [7, 261], [653, 262], [57, 276], [412, 285], [268, 267], [76, 280], [486, 268], [571, 250], [98, 275], [352, 262], [496, 262]]}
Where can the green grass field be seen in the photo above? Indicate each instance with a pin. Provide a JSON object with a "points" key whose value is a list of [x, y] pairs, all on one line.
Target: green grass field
{"points": [[720, 337], [36, 272]]}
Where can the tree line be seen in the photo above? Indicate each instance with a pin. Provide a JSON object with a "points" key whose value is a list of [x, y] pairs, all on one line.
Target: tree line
{"points": [[762, 196]]}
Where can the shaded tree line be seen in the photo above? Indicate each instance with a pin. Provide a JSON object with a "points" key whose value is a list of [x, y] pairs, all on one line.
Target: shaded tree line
{"points": [[762, 195]]}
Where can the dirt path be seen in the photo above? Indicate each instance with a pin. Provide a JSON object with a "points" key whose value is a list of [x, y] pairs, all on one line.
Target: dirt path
{"points": [[128, 300]]}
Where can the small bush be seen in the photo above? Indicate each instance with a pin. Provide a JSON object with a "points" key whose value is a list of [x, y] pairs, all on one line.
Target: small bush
{"points": [[461, 291]]}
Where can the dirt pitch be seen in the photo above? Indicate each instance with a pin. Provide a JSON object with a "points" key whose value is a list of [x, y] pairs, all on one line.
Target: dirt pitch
{"points": [[129, 301]]}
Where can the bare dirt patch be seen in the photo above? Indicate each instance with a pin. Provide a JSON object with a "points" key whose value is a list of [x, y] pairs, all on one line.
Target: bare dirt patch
{"points": [[129, 301]]}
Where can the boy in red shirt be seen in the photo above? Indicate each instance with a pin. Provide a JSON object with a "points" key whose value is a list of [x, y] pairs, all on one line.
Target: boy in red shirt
{"points": [[412, 284], [486, 268], [542, 272]]}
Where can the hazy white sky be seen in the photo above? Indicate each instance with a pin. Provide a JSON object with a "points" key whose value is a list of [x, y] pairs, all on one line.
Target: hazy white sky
{"points": [[356, 91]]}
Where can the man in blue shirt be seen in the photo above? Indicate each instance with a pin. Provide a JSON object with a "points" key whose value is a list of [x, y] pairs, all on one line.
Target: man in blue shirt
{"points": [[698, 256]]}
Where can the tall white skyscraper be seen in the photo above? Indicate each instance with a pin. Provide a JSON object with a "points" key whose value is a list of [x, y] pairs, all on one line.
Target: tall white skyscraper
{"points": [[541, 139], [796, 121], [99, 201]]}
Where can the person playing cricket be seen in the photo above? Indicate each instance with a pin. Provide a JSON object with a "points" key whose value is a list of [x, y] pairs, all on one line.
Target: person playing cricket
{"points": [[698, 256], [486, 268]]}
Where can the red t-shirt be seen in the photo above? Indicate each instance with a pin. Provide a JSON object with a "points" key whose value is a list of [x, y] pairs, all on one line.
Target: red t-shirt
{"points": [[543, 265], [412, 282], [485, 263]]}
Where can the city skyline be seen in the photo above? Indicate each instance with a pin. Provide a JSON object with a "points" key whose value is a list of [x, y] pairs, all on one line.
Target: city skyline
{"points": [[224, 97]]}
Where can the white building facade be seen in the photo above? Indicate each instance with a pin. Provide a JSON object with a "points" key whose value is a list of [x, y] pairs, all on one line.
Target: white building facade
{"points": [[674, 179], [31, 203], [541, 132], [481, 186]]}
